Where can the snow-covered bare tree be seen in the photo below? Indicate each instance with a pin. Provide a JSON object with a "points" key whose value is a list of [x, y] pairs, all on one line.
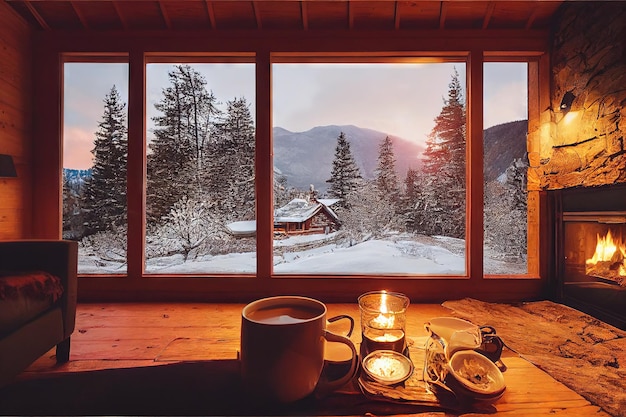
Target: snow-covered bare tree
{"points": [[105, 191], [185, 227], [443, 193], [345, 176], [188, 112], [107, 248], [369, 216]]}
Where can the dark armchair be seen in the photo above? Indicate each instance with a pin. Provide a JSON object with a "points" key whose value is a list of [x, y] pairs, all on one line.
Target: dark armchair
{"points": [[40, 322]]}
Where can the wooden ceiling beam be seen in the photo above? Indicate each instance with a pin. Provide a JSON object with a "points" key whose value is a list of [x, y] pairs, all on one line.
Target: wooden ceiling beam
{"points": [[396, 16], [166, 17], [211, 13], [531, 18], [305, 15], [80, 15], [443, 9], [117, 10], [488, 14], [37, 16], [350, 16], [527, 14], [257, 15]]}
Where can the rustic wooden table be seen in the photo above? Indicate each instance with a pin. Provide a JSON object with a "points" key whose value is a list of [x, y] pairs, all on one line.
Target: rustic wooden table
{"points": [[124, 335]]}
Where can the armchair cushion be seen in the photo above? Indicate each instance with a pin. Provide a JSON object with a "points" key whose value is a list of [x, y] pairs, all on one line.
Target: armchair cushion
{"points": [[26, 295]]}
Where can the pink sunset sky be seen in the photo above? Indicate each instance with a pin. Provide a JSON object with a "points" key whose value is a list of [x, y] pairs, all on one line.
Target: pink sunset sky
{"points": [[398, 99]]}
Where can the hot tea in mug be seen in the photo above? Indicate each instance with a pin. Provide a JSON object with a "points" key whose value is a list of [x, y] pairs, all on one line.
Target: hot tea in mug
{"points": [[282, 348]]}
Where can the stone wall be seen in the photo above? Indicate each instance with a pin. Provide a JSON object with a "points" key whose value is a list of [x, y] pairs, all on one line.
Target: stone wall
{"points": [[584, 146]]}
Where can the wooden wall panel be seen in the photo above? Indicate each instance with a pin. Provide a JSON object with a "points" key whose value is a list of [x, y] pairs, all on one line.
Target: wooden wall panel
{"points": [[15, 123]]}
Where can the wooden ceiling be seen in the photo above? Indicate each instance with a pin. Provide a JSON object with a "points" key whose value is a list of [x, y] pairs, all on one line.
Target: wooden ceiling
{"points": [[131, 15]]}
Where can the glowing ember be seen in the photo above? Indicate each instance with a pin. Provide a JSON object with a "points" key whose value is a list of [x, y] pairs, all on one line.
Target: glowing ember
{"points": [[609, 259]]}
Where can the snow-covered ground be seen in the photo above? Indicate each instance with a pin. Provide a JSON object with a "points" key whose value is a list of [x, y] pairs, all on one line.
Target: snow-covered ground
{"points": [[407, 255]]}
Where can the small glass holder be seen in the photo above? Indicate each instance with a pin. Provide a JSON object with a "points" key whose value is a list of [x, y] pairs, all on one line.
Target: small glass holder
{"points": [[387, 367], [383, 321]]}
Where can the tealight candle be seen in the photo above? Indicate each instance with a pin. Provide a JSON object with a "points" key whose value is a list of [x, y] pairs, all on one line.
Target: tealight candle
{"points": [[383, 319], [383, 339], [387, 367]]}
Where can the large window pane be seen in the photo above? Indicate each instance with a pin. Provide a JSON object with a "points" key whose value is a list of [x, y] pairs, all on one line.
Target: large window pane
{"points": [[95, 139], [505, 166], [200, 201], [369, 168]]}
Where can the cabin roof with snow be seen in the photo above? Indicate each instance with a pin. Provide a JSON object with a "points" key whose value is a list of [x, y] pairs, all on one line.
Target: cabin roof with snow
{"points": [[299, 210]]}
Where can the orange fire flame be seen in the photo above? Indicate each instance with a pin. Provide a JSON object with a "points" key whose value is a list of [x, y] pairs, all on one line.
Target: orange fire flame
{"points": [[610, 250]]}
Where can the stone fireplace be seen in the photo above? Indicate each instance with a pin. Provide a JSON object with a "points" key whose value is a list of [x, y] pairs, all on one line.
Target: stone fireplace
{"points": [[591, 251], [577, 153]]}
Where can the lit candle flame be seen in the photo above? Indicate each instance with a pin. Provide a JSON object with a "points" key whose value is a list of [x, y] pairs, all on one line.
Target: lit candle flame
{"points": [[385, 320]]}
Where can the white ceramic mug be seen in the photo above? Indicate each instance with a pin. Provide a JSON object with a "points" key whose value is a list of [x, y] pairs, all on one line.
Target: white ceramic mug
{"points": [[282, 348]]}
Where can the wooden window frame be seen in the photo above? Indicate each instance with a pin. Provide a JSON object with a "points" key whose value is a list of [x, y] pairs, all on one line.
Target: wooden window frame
{"points": [[477, 46]]}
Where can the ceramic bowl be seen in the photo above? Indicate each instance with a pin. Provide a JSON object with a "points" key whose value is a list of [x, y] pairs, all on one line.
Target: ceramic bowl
{"points": [[475, 376]]}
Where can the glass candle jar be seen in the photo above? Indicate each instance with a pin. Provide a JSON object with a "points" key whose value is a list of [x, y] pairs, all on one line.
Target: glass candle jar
{"points": [[383, 321]]}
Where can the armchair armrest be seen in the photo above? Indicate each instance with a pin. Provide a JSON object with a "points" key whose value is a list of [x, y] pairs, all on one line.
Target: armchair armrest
{"points": [[58, 257]]}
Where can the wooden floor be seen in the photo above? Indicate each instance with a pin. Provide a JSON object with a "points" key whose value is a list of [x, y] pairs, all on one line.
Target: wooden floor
{"points": [[136, 335]]}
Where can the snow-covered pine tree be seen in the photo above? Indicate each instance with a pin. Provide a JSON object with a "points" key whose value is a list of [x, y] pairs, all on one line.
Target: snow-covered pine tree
{"points": [[231, 172], [409, 197], [411, 188], [188, 112], [506, 206], [443, 195], [282, 194], [345, 176], [73, 223], [386, 176], [105, 191], [516, 184]]}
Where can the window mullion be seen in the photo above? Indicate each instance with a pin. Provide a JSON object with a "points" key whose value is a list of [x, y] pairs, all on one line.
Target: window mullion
{"points": [[474, 180], [136, 164], [264, 165]]}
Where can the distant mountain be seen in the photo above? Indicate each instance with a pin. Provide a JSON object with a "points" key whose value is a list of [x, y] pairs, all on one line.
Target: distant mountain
{"points": [[76, 176], [306, 158], [503, 143]]}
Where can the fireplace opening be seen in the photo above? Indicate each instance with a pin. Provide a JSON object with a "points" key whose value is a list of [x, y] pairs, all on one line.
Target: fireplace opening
{"points": [[595, 247], [591, 252]]}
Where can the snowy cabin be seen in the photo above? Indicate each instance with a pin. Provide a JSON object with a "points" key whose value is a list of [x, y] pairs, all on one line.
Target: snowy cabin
{"points": [[299, 216]]}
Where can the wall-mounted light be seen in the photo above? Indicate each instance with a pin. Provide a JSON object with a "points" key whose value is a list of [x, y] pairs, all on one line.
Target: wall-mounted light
{"points": [[7, 167], [566, 103]]}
